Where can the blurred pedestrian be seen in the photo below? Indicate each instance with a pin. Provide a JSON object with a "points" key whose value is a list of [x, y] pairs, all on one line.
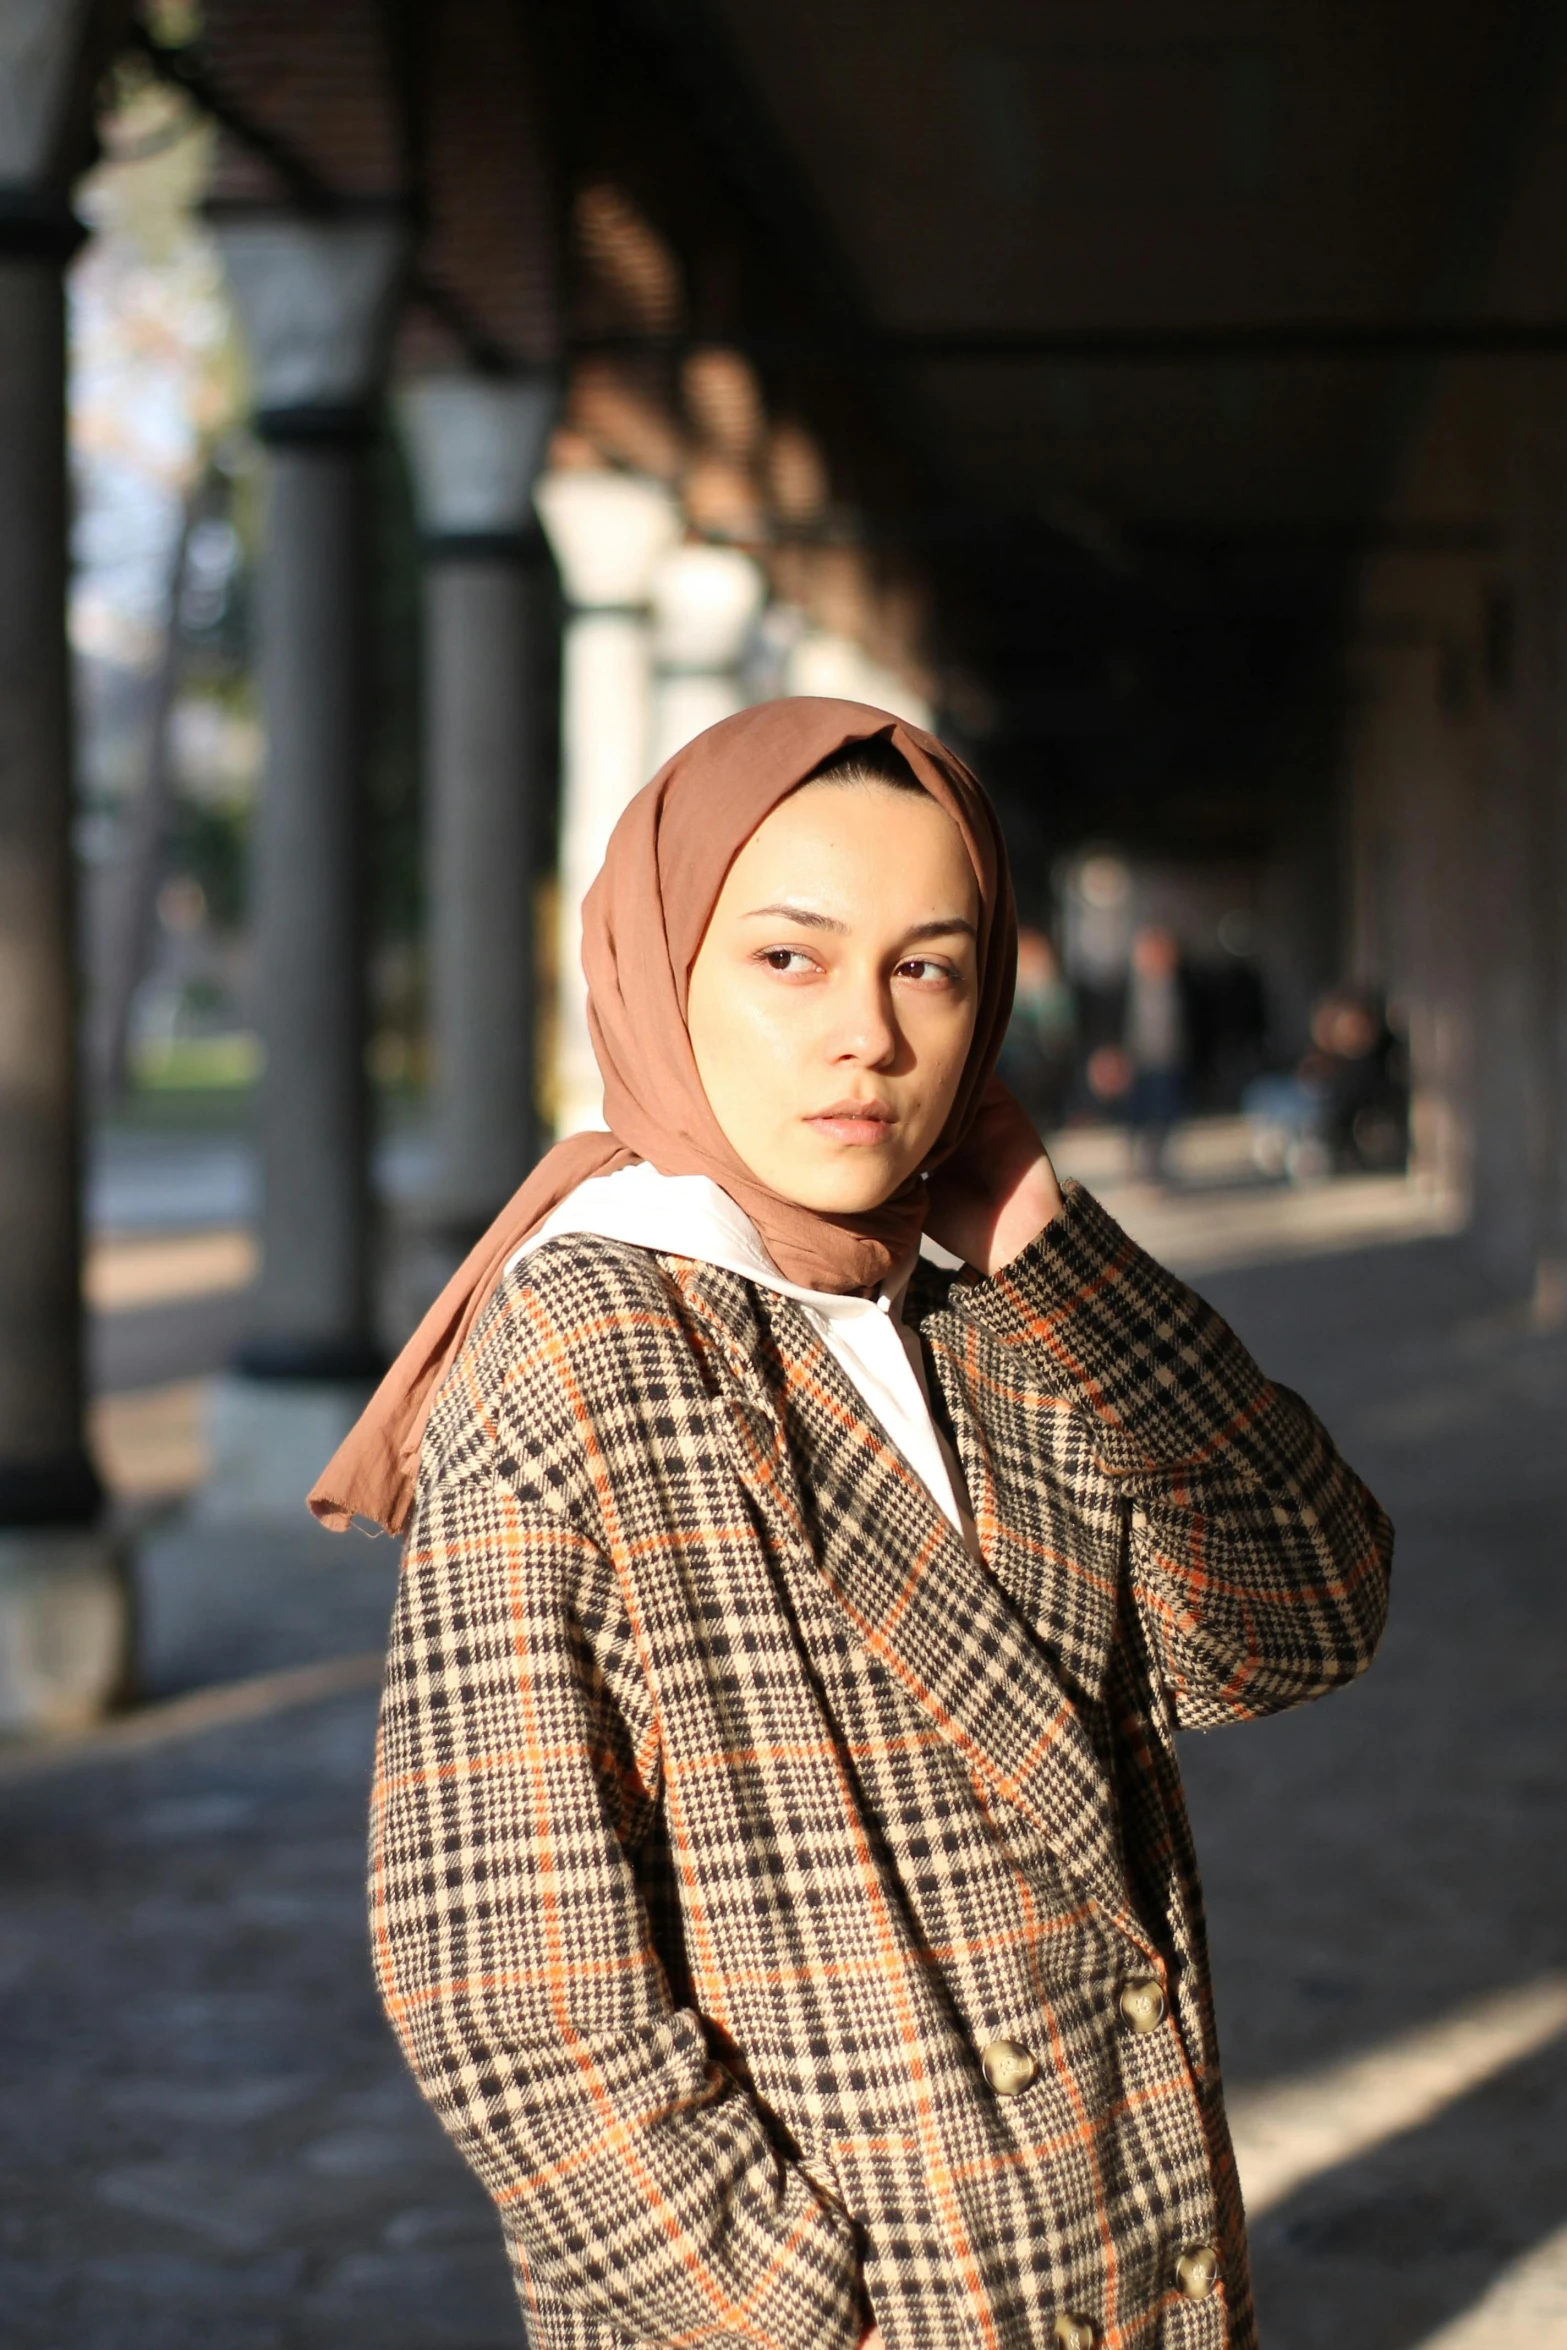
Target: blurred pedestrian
{"points": [[1357, 1064], [1157, 1041], [1036, 1056], [1344, 1108]]}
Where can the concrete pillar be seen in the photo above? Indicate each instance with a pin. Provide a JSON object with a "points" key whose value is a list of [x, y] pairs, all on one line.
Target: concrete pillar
{"points": [[706, 601], [475, 446], [64, 1621], [608, 532], [1514, 872], [315, 298]]}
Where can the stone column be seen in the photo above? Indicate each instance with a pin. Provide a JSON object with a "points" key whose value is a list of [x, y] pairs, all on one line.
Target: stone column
{"points": [[475, 446], [608, 532], [706, 601], [315, 298], [64, 1621], [822, 662]]}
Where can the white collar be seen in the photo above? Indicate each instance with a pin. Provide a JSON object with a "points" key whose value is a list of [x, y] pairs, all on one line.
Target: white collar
{"points": [[692, 1216]]}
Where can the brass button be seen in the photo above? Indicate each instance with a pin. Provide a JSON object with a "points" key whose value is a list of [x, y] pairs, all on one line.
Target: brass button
{"points": [[1197, 2272], [1008, 2067], [1076, 2333], [1142, 2004]]}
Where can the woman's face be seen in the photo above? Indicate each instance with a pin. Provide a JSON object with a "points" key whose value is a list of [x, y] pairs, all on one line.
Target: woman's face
{"points": [[834, 994]]}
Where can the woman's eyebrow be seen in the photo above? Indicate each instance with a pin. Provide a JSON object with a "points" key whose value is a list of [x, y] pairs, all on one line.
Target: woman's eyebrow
{"points": [[944, 927], [809, 918], [806, 916]]}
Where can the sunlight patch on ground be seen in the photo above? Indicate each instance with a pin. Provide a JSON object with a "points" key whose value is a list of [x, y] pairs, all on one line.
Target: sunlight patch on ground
{"points": [[1221, 1231], [124, 1275], [1526, 2308], [1295, 2130], [152, 1441], [196, 1712], [1217, 1214]]}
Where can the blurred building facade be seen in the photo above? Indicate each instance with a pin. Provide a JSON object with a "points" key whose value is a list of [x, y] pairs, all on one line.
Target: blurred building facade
{"points": [[1170, 414]]}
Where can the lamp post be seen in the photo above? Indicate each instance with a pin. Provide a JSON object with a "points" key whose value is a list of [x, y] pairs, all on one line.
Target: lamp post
{"points": [[608, 532]]}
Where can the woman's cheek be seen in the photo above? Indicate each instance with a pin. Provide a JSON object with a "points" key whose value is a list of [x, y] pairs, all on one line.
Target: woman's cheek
{"points": [[770, 1023], [943, 1049]]}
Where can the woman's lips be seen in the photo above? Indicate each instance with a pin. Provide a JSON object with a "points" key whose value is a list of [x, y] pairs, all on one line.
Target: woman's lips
{"points": [[854, 1122]]}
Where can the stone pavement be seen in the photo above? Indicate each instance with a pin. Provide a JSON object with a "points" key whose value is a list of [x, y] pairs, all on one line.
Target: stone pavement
{"points": [[207, 2141], [207, 2138], [1397, 1855]]}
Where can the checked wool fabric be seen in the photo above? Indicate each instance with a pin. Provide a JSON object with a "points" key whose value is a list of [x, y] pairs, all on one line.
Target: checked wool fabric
{"points": [[726, 1809]]}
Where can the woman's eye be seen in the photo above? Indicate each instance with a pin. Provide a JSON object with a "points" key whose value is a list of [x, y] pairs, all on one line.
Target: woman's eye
{"points": [[926, 970], [788, 959]]}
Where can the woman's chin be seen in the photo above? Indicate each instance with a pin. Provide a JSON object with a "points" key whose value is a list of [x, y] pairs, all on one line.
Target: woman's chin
{"points": [[843, 1189]]}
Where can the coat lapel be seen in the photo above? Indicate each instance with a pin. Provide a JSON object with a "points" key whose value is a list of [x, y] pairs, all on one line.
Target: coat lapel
{"points": [[936, 1619]]}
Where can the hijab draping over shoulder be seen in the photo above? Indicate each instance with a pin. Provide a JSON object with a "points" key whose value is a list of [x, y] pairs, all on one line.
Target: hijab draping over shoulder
{"points": [[642, 923]]}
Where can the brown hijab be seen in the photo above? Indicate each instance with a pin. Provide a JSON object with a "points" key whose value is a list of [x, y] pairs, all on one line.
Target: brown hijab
{"points": [[642, 923]]}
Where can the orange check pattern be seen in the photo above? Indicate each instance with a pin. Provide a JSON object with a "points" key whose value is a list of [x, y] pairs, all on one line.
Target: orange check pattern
{"points": [[726, 1809]]}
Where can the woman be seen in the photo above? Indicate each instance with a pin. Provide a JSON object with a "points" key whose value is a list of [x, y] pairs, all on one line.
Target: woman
{"points": [[780, 1880]]}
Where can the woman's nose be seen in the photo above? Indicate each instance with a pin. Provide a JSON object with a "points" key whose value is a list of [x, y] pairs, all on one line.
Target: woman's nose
{"points": [[866, 1029]]}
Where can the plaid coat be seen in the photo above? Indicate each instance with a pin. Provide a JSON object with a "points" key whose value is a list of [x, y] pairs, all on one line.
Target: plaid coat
{"points": [[780, 1908]]}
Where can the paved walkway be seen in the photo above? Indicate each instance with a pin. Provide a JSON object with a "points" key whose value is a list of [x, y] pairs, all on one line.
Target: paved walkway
{"points": [[207, 2138], [207, 2141], [1391, 1865]]}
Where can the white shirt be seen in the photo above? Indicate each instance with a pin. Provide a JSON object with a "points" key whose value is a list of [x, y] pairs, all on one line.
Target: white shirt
{"points": [[691, 1216]]}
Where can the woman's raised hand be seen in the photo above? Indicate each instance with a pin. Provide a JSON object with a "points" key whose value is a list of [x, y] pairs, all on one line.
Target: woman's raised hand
{"points": [[999, 1192]]}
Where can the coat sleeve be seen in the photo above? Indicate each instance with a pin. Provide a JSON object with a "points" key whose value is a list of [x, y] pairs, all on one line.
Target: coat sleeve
{"points": [[1259, 1560], [517, 1775]]}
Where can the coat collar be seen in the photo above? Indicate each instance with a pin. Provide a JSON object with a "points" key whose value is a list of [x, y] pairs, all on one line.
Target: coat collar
{"points": [[938, 1621], [691, 1217]]}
